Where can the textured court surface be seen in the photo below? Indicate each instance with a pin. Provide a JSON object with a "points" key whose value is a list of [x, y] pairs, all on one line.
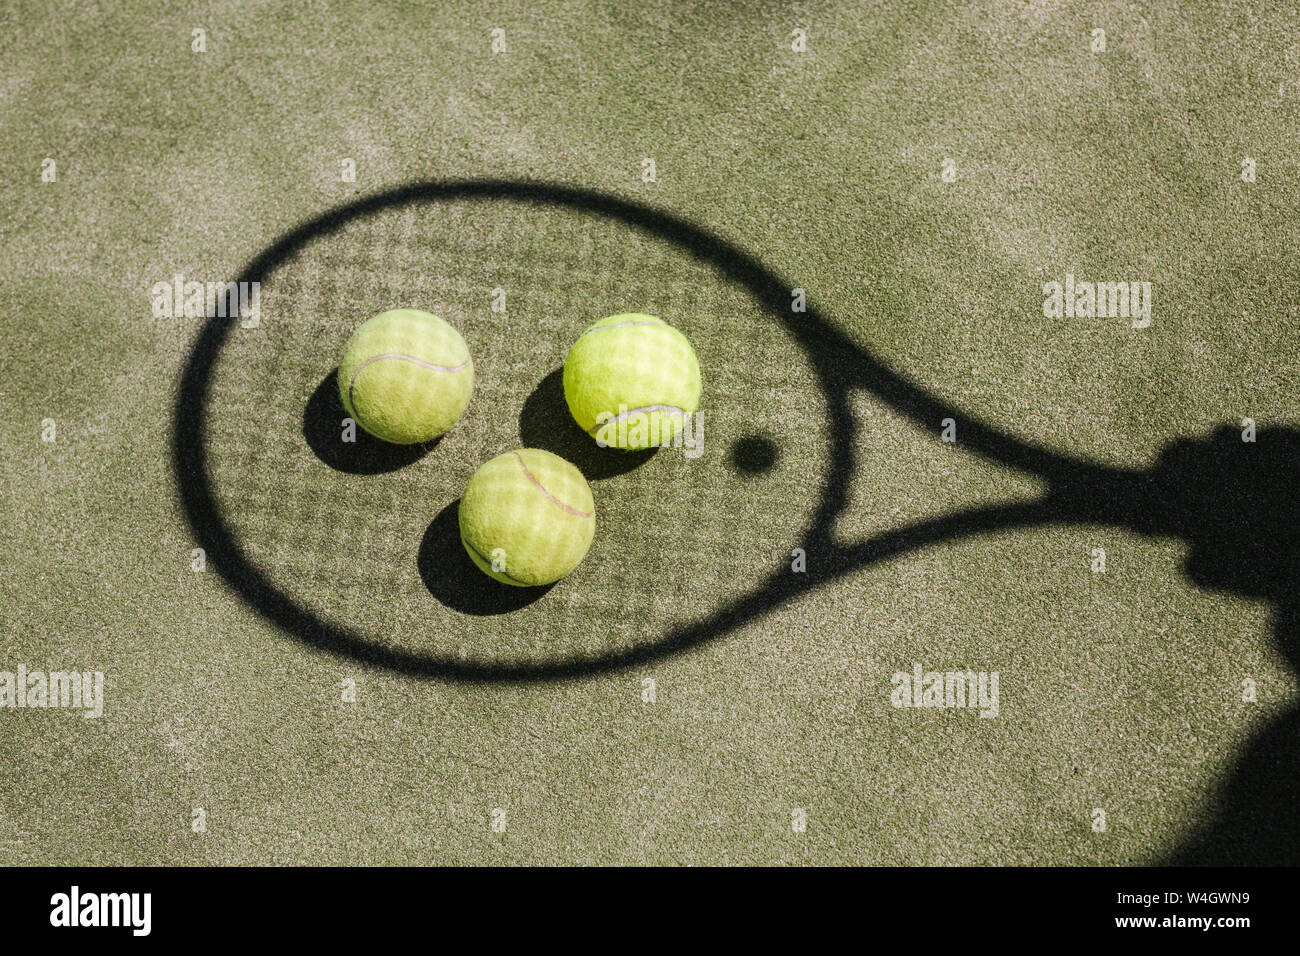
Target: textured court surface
{"points": [[1120, 692]]}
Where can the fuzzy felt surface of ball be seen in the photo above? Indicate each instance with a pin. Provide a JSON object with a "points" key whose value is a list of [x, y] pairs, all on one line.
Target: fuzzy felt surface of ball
{"points": [[630, 381], [406, 376], [527, 517]]}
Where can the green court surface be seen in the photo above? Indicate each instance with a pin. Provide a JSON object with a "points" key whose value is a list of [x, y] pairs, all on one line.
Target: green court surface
{"points": [[908, 460]]}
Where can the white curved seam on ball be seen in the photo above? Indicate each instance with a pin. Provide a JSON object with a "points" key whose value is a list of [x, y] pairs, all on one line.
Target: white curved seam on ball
{"points": [[624, 416], [488, 561], [623, 325], [542, 489], [352, 382]]}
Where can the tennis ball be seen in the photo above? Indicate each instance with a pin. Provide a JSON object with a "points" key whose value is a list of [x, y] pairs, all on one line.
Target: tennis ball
{"points": [[406, 376], [527, 517], [630, 381]]}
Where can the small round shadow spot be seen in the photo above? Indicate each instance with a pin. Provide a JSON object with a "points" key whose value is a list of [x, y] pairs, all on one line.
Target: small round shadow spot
{"points": [[754, 454]]}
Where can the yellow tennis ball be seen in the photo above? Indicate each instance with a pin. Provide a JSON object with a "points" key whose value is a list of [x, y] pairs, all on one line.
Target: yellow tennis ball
{"points": [[630, 381], [527, 517], [406, 376]]}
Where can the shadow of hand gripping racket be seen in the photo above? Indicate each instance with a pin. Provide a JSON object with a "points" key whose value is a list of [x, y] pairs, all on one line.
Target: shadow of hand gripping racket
{"points": [[1198, 491], [1236, 505]]}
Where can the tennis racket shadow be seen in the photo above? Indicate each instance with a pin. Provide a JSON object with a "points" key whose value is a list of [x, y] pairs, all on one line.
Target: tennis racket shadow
{"points": [[1239, 520]]}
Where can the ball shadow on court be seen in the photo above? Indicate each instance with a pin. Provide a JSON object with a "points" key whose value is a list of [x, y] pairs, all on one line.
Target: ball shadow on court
{"points": [[545, 423], [453, 578], [322, 427]]}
